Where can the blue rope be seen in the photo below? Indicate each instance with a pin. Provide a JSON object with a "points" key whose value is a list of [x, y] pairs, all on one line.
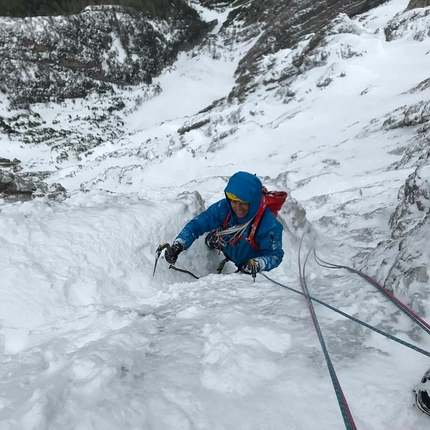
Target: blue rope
{"points": [[343, 404], [407, 311], [364, 324]]}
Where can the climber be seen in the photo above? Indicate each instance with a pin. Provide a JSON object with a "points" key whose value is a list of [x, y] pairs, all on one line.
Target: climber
{"points": [[241, 225]]}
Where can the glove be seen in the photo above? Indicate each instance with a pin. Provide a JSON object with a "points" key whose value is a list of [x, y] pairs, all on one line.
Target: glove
{"points": [[211, 240], [171, 253], [252, 267]]}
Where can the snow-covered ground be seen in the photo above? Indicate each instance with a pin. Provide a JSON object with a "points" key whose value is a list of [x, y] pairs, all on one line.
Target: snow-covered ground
{"points": [[90, 339]]}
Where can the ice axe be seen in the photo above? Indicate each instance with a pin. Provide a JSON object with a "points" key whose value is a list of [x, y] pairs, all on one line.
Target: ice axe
{"points": [[171, 266], [158, 253]]}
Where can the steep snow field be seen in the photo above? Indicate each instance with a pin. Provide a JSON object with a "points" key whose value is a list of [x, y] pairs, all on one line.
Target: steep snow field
{"points": [[90, 339]]}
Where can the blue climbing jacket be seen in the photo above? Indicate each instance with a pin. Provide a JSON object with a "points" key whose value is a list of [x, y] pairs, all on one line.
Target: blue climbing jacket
{"points": [[248, 188]]}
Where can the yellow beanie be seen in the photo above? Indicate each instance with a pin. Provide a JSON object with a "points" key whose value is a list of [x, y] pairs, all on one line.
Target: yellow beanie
{"points": [[231, 196]]}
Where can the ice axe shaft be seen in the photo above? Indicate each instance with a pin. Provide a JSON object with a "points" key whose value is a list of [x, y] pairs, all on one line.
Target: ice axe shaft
{"points": [[253, 269], [158, 253]]}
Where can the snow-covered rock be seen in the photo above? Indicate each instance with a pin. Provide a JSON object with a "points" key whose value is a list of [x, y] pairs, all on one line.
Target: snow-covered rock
{"points": [[282, 25], [54, 58], [411, 24]]}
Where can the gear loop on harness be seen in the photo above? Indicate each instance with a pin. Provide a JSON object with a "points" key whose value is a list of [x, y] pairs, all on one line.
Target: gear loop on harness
{"points": [[237, 231]]}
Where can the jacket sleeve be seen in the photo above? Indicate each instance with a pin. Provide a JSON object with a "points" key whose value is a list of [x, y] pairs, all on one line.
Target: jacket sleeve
{"points": [[207, 221], [271, 252]]}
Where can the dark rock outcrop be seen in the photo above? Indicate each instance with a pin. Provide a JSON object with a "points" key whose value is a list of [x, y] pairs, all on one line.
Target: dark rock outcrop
{"points": [[401, 262], [284, 24], [5, 162], [26, 186], [52, 58], [413, 24], [414, 4]]}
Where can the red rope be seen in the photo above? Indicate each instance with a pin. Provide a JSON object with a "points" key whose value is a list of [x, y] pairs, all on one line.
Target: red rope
{"points": [[413, 315]]}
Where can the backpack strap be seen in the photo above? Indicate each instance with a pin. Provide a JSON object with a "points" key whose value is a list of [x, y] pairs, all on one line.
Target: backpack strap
{"points": [[256, 224], [227, 218]]}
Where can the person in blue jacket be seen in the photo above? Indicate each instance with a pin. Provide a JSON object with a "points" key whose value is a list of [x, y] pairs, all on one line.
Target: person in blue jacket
{"points": [[229, 224]]}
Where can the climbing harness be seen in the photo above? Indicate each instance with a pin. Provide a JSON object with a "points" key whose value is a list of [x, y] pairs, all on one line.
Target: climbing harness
{"points": [[222, 232]]}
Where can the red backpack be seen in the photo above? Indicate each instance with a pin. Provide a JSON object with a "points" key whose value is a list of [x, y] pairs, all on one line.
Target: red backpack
{"points": [[272, 200]]}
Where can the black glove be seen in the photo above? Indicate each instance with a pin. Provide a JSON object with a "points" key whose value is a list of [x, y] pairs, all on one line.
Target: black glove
{"points": [[211, 240], [252, 267], [171, 253]]}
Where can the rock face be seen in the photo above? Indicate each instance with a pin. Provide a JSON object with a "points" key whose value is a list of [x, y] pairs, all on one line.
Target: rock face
{"points": [[401, 261], [52, 58], [400, 26], [414, 208], [414, 4], [284, 24], [15, 186]]}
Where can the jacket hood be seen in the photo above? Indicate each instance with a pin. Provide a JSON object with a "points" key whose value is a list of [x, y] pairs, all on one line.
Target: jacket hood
{"points": [[246, 187]]}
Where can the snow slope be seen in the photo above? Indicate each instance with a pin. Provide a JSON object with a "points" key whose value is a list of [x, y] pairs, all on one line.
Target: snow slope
{"points": [[90, 339]]}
